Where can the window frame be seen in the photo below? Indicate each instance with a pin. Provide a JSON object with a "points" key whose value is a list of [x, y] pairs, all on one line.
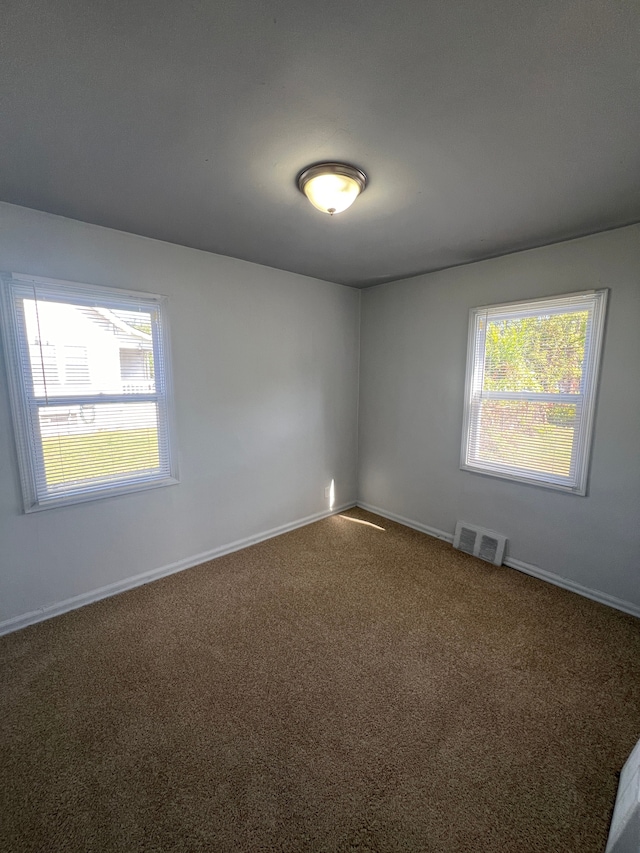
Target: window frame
{"points": [[581, 452], [25, 403]]}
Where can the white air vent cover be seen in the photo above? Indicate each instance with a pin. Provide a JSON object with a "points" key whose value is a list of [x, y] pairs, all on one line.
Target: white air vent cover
{"points": [[480, 542]]}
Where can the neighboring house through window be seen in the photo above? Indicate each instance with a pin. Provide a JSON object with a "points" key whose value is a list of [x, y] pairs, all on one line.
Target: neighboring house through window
{"points": [[90, 389], [532, 374]]}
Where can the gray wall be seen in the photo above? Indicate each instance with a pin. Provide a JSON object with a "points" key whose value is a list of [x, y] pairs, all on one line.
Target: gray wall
{"points": [[265, 369], [413, 351]]}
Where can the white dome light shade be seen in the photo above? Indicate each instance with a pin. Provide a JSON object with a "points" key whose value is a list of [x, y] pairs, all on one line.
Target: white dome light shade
{"points": [[332, 187], [331, 193]]}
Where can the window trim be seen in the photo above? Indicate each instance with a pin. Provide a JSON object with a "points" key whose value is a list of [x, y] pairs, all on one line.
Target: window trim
{"points": [[590, 382], [28, 445]]}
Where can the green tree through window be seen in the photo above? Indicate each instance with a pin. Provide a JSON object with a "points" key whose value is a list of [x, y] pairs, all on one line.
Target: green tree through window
{"points": [[530, 391]]}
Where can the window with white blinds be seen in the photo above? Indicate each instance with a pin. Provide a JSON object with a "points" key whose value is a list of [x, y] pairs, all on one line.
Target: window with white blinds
{"points": [[90, 389], [532, 374]]}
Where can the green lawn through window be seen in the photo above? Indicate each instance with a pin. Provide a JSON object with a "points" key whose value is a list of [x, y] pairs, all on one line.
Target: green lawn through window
{"points": [[69, 458], [546, 448]]}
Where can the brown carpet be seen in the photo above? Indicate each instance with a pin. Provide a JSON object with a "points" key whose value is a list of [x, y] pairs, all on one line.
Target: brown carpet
{"points": [[339, 688]]}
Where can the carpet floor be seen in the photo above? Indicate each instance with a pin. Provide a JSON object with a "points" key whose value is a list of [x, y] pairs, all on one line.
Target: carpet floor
{"points": [[353, 685]]}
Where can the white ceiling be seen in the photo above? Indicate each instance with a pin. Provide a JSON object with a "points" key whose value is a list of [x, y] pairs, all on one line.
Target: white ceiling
{"points": [[485, 126]]}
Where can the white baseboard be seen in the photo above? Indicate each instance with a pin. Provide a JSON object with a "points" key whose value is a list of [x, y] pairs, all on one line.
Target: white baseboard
{"points": [[519, 565], [573, 586], [51, 610], [408, 522]]}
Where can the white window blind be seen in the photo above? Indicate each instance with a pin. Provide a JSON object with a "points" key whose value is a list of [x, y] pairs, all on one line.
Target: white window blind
{"points": [[90, 389], [530, 393]]}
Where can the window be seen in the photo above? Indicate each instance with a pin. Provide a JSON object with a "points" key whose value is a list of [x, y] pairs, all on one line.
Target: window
{"points": [[90, 389], [531, 380]]}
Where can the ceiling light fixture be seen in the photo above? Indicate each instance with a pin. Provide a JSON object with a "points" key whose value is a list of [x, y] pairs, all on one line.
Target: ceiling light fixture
{"points": [[332, 187]]}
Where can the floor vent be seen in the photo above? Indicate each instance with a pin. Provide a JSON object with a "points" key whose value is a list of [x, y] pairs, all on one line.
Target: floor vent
{"points": [[480, 542]]}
